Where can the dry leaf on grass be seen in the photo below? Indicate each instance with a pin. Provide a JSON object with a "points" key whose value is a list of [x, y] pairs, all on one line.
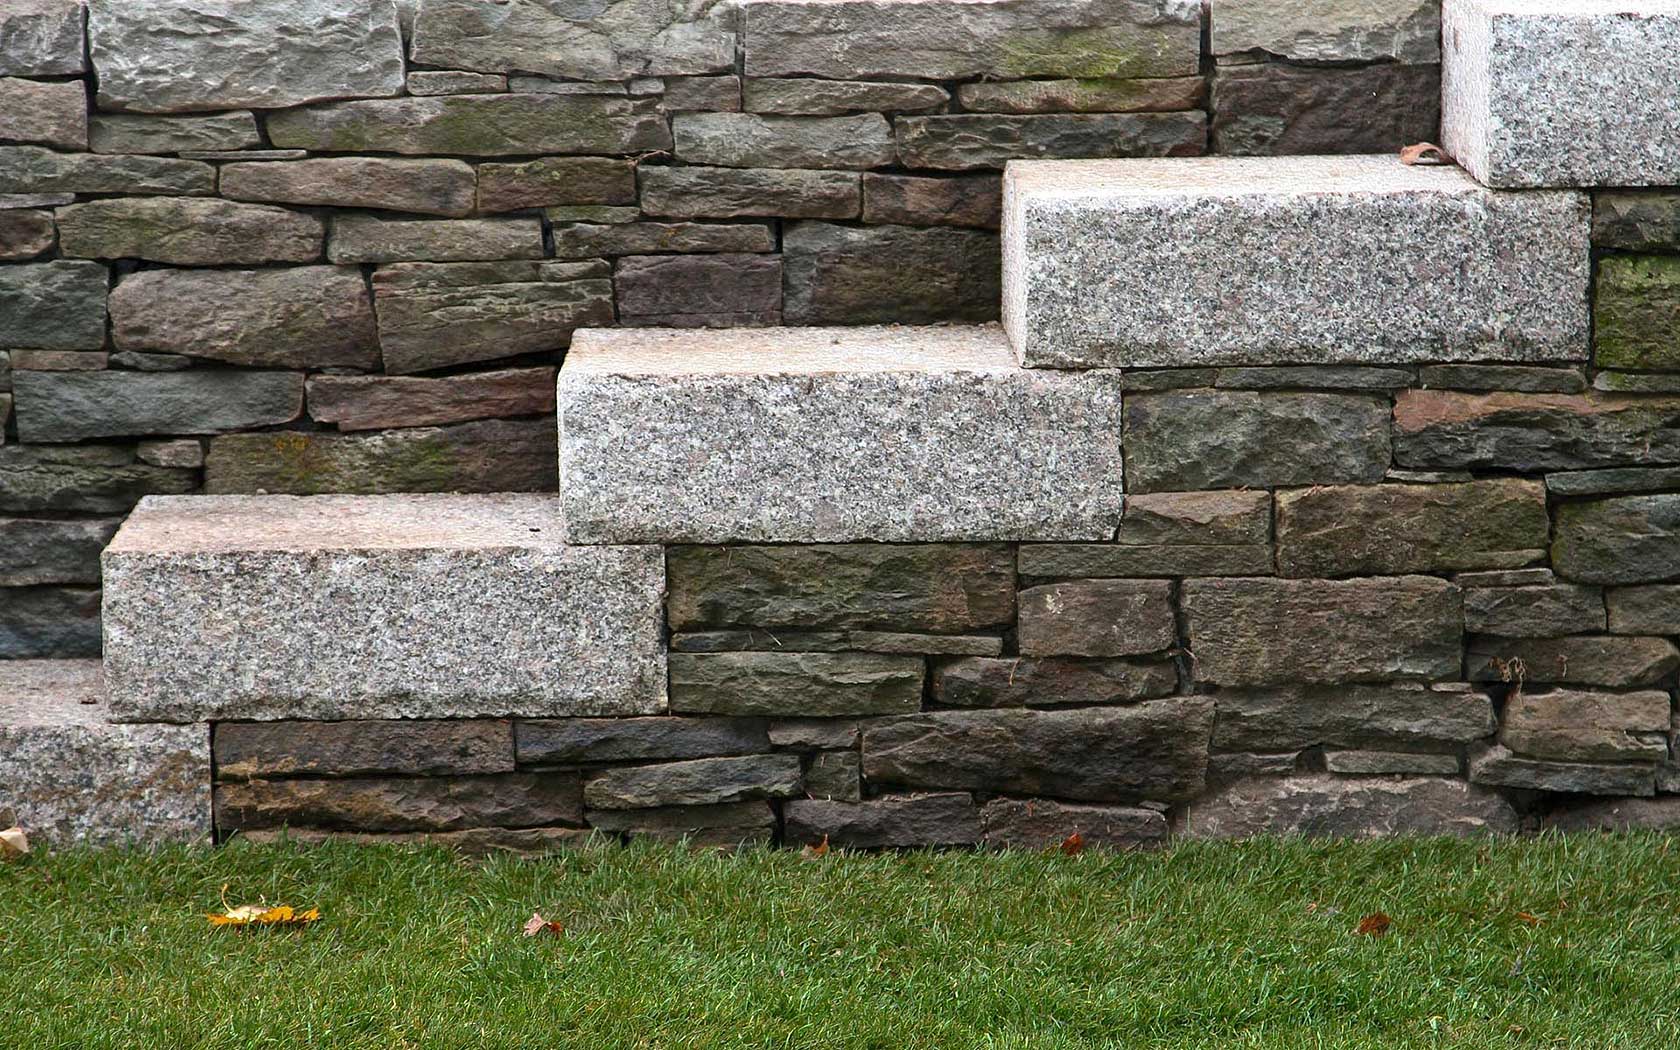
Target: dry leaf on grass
{"points": [[13, 844], [1374, 925], [1074, 844], [817, 851], [1528, 918], [536, 925], [262, 915]]}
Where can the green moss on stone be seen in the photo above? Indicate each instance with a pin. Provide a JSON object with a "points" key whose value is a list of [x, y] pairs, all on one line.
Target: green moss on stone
{"points": [[1637, 316]]}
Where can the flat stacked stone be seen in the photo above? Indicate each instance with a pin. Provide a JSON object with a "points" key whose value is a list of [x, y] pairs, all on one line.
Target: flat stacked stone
{"points": [[375, 607], [1220, 279], [914, 434]]}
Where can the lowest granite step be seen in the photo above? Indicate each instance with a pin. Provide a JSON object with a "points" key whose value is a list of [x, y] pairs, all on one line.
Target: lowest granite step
{"points": [[831, 434], [416, 606]]}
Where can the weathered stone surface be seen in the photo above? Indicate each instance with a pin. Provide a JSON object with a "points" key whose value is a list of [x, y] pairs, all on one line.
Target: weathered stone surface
{"points": [[25, 234], [699, 291], [720, 94], [71, 778], [698, 782], [1118, 560], [264, 750], [360, 607], [1625, 539], [591, 213], [1637, 220], [1636, 316], [1533, 432], [1637, 382], [433, 315], [727, 824], [54, 306], [550, 181], [1565, 94], [455, 82], [402, 804], [1389, 530], [1545, 611], [731, 193], [35, 551], [1645, 610], [53, 113], [1045, 682], [10, 201], [1208, 439], [907, 200], [1572, 726], [1216, 289], [1330, 30], [1196, 518], [373, 239], [830, 98], [307, 317], [1622, 814], [377, 402], [38, 622], [888, 274], [815, 733], [491, 455], [1293, 718], [172, 55], [966, 141], [1620, 662], [895, 821], [1277, 632], [1532, 379], [549, 86], [589, 240], [74, 406], [614, 40], [938, 588], [476, 125], [570, 741], [1153, 750], [747, 140], [135, 133], [42, 38], [1366, 807], [1402, 763], [1313, 377], [188, 231], [884, 445], [1497, 766], [734, 641], [99, 479], [835, 775], [181, 452], [1042, 823], [991, 39], [1097, 618], [59, 361], [1084, 95], [430, 187], [805, 684], [523, 842], [32, 170], [1220, 533]]}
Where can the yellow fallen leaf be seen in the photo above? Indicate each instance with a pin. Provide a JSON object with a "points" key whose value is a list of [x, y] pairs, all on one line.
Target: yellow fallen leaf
{"points": [[261, 915], [13, 844], [537, 924]]}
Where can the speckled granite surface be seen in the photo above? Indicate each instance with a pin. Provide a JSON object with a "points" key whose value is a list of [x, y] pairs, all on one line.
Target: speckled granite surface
{"points": [[69, 776], [375, 607], [819, 435], [1193, 261], [1562, 92]]}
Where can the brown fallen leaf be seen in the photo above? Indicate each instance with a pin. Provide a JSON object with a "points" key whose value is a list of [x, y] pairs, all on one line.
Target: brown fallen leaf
{"points": [[817, 851], [1424, 153], [1073, 845], [262, 915], [1528, 917], [537, 925], [1374, 925], [13, 844]]}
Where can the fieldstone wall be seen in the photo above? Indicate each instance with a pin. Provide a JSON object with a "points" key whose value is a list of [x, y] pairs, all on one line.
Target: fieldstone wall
{"points": [[339, 245]]}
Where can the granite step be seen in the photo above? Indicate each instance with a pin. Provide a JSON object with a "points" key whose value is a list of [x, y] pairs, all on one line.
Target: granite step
{"points": [[818, 435], [399, 606], [70, 776], [1287, 260]]}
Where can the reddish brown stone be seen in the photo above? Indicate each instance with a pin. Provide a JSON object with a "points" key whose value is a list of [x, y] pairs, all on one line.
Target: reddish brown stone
{"points": [[378, 402]]}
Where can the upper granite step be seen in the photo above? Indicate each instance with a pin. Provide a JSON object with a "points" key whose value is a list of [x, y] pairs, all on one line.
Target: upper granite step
{"points": [[1287, 260], [831, 434], [330, 607]]}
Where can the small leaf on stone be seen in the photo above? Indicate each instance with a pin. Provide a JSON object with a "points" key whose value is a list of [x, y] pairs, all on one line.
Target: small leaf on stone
{"points": [[1374, 925], [1423, 153], [1073, 845], [13, 844], [537, 925]]}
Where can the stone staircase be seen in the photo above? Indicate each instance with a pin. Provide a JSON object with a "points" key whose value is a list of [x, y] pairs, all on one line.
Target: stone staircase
{"points": [[1277, 503]]}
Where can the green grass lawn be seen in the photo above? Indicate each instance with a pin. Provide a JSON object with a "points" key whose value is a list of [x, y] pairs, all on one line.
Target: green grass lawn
{"points": [[1503, 943]]}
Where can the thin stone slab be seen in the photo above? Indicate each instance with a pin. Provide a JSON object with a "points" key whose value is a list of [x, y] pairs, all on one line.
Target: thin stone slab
{"points": [[1562, 93], [69, 776], [1196, 261], [336, 607], [822, 435], [612, 40]]}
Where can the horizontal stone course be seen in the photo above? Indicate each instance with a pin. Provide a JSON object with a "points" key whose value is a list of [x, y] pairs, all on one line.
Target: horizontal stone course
{"points": [[610, 41], [971, 141], [1318, 805], [33, 170], [888, 274], [374, 239], [1325, 31], [1040, 823], [75, 406], [1293, 718], [698, 782], [803, 684], [913, 820], [475, 125], [140, 133], [401, 803], [189, 231], [1284, 109], [359, 748], [1440, 429], [748, 140], [1096, 618], [1617, 662], [377, 402], [567, 741], [431, 187]]}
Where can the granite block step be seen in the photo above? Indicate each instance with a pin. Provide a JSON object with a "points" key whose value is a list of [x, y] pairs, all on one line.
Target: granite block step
{"points": [[1287, 260], [70, 776], [1562, 93], [402, 606], [809, 435]]}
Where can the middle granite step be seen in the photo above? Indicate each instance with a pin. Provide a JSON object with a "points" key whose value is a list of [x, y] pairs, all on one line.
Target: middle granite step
{"points": [[809, 435]]}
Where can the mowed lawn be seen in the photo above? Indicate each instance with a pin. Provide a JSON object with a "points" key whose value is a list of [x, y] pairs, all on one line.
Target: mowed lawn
{"points": [[1495, 943]]}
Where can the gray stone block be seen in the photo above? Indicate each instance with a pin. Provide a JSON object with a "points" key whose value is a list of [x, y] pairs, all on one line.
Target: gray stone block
{"points": [[54, 306], [892, 822], [1567, 725], [138, 133], [1049, 681], [33, 170], [912, 434], [1222, 280], [1097, 618], [732, 193], [34, 551], [51, 113], [1497, 766], [795, 684], [1295, 717], [1084, 95], [74, 406], [42, 38], [1625, 539], [569, 741], [1573, 93], [430, 187], [967, 141], [1364, 807], [378, 402], [460, 803], [614, 40], [1330, 30], [476, 125], [699, 291], [376, 607], [553, 181], [362, 747], [376, 239], [188, 231], [847, 275], [25, 234], [832, 98], [1042, 823], [747, 140], [698, 782], [1618, 662], [70, 777], [1528, 433], [100, 479]]}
